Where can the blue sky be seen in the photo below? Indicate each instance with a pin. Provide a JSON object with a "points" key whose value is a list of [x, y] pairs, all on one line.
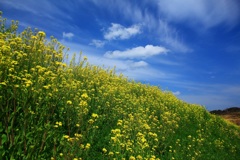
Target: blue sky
{"points": [[189, 47]]}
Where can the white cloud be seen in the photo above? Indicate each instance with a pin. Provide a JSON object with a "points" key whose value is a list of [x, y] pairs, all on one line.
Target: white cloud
{"points": [[177, 93], [97, 43], [137, 52], [148, 20], [117, 31], [68, 35], [138, 64], [207, 13]]}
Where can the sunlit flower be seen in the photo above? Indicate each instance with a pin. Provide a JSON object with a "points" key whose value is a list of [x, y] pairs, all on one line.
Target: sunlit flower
{"points": [[66, 136], [41, 34], [87, 146], [104, 150], [110, 153], [69, 102], [94, 115]]}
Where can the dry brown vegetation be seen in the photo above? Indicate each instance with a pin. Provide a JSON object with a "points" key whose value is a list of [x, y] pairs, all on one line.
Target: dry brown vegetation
{"points": [[231, 114]]}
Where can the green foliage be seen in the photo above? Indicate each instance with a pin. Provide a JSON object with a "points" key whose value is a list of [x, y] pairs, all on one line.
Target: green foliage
{"points": [[51, 110]]}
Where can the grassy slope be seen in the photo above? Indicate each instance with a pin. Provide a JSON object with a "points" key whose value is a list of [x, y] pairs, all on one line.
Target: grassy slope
{"points": [[51, 110]]}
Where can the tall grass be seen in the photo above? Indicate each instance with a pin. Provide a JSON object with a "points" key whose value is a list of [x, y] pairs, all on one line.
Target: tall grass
{"points": [[53, 110]]}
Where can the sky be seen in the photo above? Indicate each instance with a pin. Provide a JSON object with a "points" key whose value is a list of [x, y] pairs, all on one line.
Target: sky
{"points": [[188, 47]]}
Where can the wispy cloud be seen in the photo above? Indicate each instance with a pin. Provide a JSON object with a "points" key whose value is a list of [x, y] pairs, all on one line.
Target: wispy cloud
{"points": [[207, 13], [125, 8], [117, 31], [137, 52], [170, 37], [138, 64], [67, 35], [43, 8], [151, 23], [97, 43]]}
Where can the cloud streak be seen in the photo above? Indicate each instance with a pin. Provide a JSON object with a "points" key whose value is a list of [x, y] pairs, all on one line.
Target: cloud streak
{"points": [[207, 13], [137, 52], [170, 37]]}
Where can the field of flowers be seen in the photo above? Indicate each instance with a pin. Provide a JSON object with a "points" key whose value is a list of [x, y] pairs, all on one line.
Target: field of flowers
{"points": [[53, 110]]}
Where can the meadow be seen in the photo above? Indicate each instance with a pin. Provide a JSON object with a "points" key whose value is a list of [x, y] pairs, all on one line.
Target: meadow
{"points": [[78, 111]]}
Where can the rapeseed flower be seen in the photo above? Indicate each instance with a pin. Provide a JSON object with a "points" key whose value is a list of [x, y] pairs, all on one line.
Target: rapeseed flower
{"points": [[66, 136], [90, 121], [110, 153], [69, 102], [88, 145], [41, 34], [94, 115], [104, 150]]}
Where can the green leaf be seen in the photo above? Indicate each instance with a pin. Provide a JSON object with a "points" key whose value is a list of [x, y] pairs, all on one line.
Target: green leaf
{"points": [[4, 138]]}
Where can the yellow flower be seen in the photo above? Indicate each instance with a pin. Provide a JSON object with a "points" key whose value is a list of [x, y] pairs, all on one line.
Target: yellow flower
{"points": [[91, 121], [119, 123], [41, 34], [139, 157], [59, 123], [132, 158], [46, 87], [3, 83], [104, 150], [81, 146], [66, 136], [84, 96], [69, 102], [88, 145], [94, 115], [110, 153]]}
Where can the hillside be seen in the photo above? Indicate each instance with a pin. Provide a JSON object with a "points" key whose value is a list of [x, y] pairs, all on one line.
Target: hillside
{"points": [[53, 110]]}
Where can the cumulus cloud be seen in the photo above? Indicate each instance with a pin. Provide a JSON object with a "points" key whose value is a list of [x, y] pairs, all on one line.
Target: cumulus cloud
{"points": [[117, 31], [68, 35], [97, 43], [137, 52], [207, 13]]}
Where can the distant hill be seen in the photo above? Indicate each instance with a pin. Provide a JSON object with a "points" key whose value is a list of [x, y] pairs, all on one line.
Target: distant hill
{"points": [[232, 114]]}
